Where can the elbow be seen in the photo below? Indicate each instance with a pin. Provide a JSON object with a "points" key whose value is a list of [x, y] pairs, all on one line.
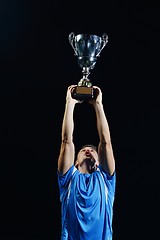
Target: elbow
{"points": [[67, 139], [105, 143], [66, 142]]}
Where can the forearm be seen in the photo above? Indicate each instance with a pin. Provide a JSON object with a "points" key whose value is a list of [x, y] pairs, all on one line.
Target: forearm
{"points": [[102, 124], [68, 123]]}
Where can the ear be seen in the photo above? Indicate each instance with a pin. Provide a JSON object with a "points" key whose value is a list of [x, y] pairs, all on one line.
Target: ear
{"points": [[97, 163], [76, 164]]}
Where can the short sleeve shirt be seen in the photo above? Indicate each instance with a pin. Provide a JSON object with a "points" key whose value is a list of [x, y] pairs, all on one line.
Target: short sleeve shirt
{"points": [[86, 204]]}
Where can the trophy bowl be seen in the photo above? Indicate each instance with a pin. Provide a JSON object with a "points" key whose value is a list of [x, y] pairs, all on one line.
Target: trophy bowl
{"points": [[87, 48]]}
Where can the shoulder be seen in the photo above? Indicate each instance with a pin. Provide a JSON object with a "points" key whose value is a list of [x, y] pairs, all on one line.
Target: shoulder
{"points": [[110, 180], [108, 176], [65, 178]]}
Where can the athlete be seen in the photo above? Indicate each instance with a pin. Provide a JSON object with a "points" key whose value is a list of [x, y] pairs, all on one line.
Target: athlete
{"points": [[87, 182]]}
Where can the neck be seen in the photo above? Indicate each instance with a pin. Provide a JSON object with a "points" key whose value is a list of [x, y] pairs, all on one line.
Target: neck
{"points": [[83, 169], [87, 168]]}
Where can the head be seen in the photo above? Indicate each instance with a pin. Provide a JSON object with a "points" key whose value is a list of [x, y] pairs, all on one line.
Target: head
{"points": [[87, 159]]}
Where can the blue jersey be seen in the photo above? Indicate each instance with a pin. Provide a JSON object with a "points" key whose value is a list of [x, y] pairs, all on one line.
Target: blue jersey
{"points": [[86, 204]]}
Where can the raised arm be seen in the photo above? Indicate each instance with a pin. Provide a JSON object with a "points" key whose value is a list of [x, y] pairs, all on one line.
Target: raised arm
{"points": [[67, 149], [105, 151]]}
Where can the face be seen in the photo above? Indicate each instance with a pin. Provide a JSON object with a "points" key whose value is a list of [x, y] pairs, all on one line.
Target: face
{"points": [[86, 154]]}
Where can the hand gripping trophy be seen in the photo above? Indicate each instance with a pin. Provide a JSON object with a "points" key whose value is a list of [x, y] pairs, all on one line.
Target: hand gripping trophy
{"points": [[87, 48]]}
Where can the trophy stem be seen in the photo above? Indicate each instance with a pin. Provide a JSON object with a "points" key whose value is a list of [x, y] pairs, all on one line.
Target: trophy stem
{"points": [[85, 72], [85, 81]]}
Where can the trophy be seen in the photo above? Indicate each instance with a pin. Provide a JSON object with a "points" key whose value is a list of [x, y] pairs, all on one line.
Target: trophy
{"points": [[87, 48]]}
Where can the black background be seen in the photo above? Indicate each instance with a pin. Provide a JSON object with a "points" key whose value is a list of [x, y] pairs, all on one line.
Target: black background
{"points": [[37, 64]]}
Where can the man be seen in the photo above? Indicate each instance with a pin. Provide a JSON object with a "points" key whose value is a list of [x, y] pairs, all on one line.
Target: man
{"points": [[87, 183]]}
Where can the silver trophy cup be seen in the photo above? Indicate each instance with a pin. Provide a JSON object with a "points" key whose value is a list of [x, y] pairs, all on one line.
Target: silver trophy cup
{"points": [[87, 48]]}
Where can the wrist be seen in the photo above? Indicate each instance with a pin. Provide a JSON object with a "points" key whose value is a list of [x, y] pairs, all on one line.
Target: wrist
{"points": [[70, 102], [98, 104]]}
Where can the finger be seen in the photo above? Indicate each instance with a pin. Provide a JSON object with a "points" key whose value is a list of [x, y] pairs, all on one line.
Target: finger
{"points": [[98, 88], [80, 101], [71, 88]]}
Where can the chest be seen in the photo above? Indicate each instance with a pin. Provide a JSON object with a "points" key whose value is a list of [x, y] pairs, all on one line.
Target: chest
{"points": [[87, 190]]}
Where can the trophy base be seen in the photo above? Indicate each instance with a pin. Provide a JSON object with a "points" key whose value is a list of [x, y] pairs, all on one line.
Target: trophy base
{"points": [[83, 93]]}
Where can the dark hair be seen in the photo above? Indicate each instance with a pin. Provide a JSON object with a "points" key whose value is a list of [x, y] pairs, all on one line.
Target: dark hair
{"points": [[89, 145]]}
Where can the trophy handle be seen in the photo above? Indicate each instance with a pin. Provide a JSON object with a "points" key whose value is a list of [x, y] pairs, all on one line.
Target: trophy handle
{"points": [[71, 39], [104, 42]]}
